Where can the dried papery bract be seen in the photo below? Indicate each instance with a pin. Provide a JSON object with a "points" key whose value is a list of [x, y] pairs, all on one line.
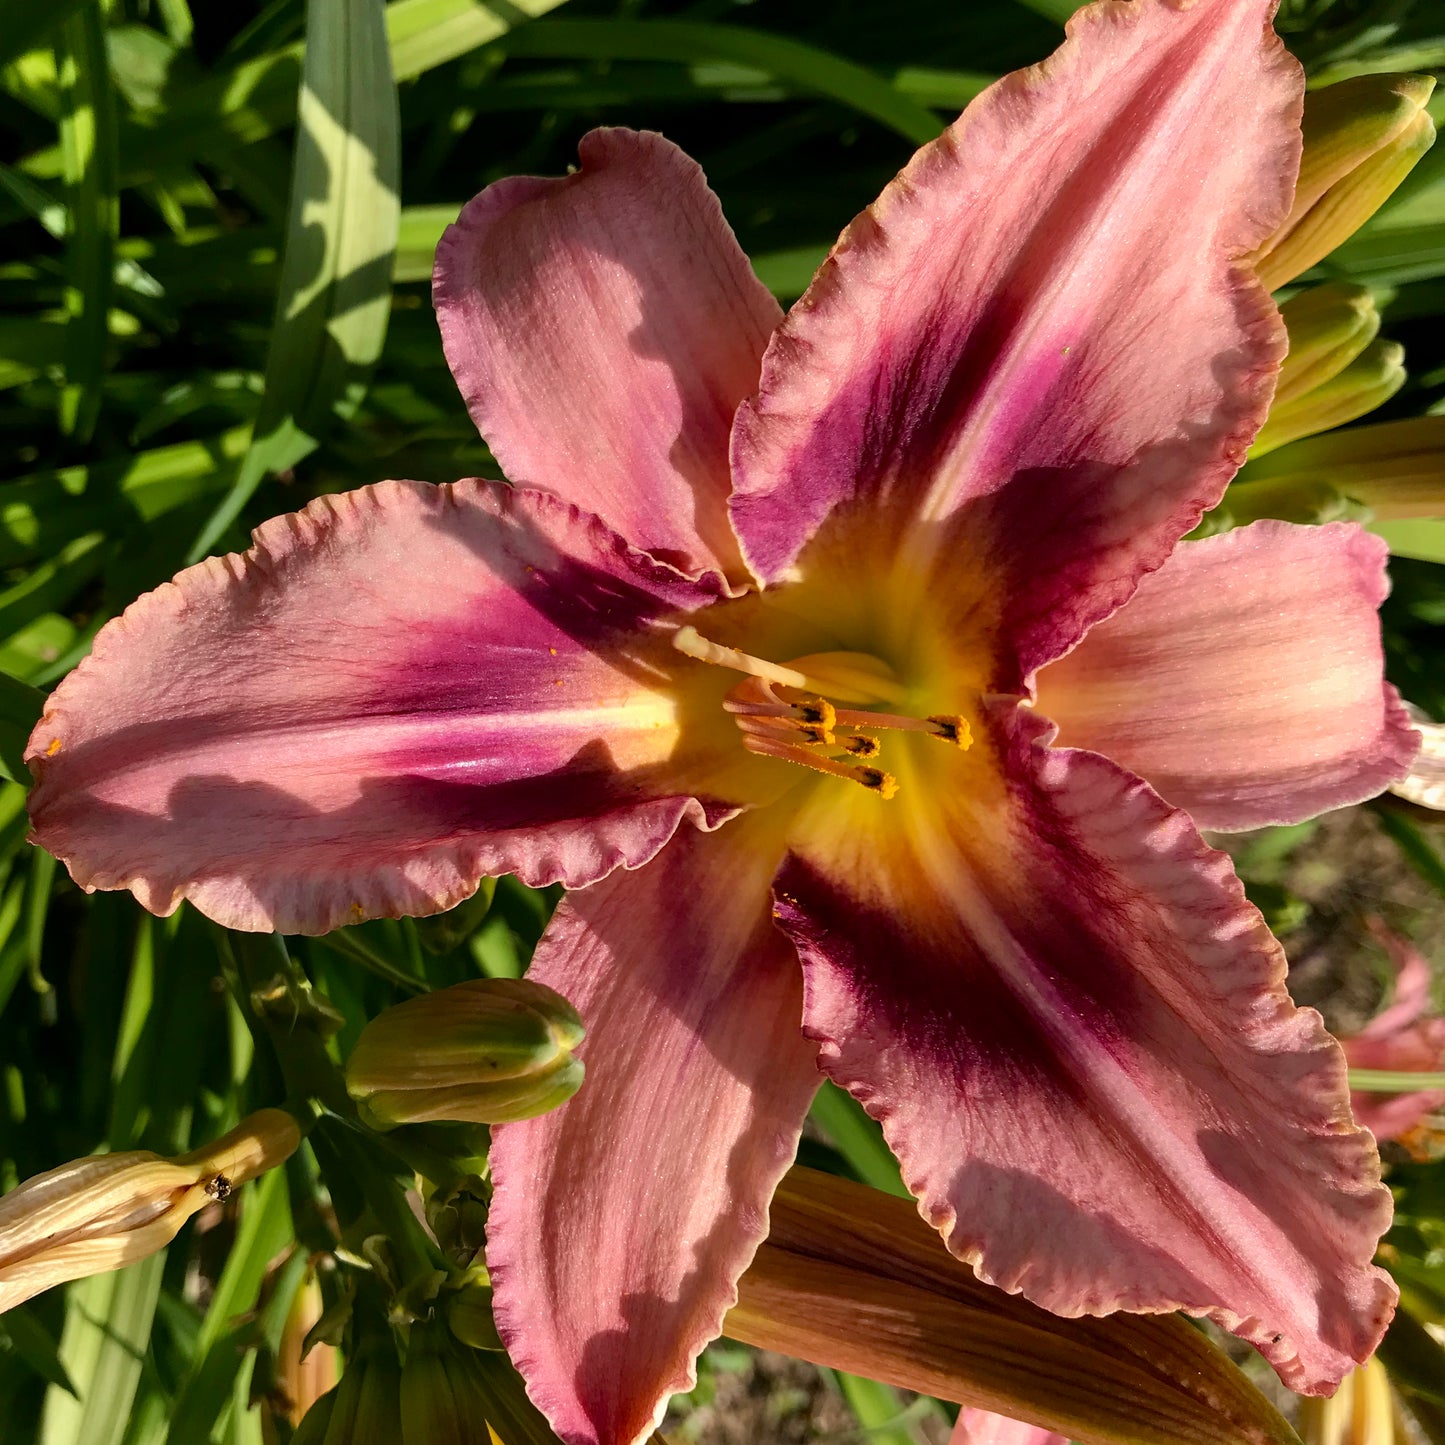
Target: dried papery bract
{"points": [[99, 1213]]}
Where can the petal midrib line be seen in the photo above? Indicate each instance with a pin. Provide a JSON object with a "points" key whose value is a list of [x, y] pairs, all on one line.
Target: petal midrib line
{"points": [[1132, 1113], [1067, 291]]}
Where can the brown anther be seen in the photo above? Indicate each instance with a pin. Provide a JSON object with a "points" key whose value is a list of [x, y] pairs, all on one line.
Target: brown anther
{"points": [[862, 746], [817, 735], [816, 710], [877, 781], [951, 729]]}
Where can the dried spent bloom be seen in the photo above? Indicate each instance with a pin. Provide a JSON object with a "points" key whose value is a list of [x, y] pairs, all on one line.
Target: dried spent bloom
{"points": [[851, 1278], [109, 1210], [1424, 784]]}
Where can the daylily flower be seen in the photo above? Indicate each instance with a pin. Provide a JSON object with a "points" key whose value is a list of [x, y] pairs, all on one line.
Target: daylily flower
{"points": [[1402, 1038], [867, 632]]}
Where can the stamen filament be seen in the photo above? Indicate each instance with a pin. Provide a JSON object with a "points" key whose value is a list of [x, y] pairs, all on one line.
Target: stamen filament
{"points": [[787, 730], [801, 728], [874, 779], [952, 729]]}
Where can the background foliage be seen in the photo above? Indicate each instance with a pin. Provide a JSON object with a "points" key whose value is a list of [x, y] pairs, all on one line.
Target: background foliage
{"points": [[215, 248]]}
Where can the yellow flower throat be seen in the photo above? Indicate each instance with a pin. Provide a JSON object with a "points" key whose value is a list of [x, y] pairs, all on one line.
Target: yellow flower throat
{"points": [[790, 711]]}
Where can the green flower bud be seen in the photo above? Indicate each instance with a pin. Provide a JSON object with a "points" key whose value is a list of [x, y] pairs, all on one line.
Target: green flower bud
{"points": [[469, 1313], [1361, 1412], [1396, 469], [364, 1409], [451, 1395], [1362, 137], [1370, 380], [488, 1051], [457, 1217], [1329, 326], [1291, 499], [441, 1403], [317, 1420]]}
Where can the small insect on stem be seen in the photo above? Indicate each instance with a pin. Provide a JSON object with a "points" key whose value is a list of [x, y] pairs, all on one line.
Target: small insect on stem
{"points": [[219, 1188]]}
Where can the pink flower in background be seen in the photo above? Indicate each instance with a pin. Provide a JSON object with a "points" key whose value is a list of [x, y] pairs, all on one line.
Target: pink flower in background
{"points": [[868, 632], [1403, 1038], [982, 1427]]}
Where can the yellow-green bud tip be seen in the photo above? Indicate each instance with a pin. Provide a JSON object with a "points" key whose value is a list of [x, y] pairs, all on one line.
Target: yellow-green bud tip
{"points": [[1362, 137]]}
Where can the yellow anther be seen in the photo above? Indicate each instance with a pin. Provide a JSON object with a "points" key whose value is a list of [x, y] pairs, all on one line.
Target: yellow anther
{"points": [[862, 746]]}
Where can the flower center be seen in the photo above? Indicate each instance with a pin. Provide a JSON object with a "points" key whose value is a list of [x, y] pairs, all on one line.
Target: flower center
{"points": [[790, 710]]}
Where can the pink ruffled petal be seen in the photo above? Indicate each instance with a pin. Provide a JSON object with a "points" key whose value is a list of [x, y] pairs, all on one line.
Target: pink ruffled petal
{"points": [[1075, 1032], [603, 329], [392, 693], [1046, 307], [983, 1427], [1242, 680], [622, 1221]]}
